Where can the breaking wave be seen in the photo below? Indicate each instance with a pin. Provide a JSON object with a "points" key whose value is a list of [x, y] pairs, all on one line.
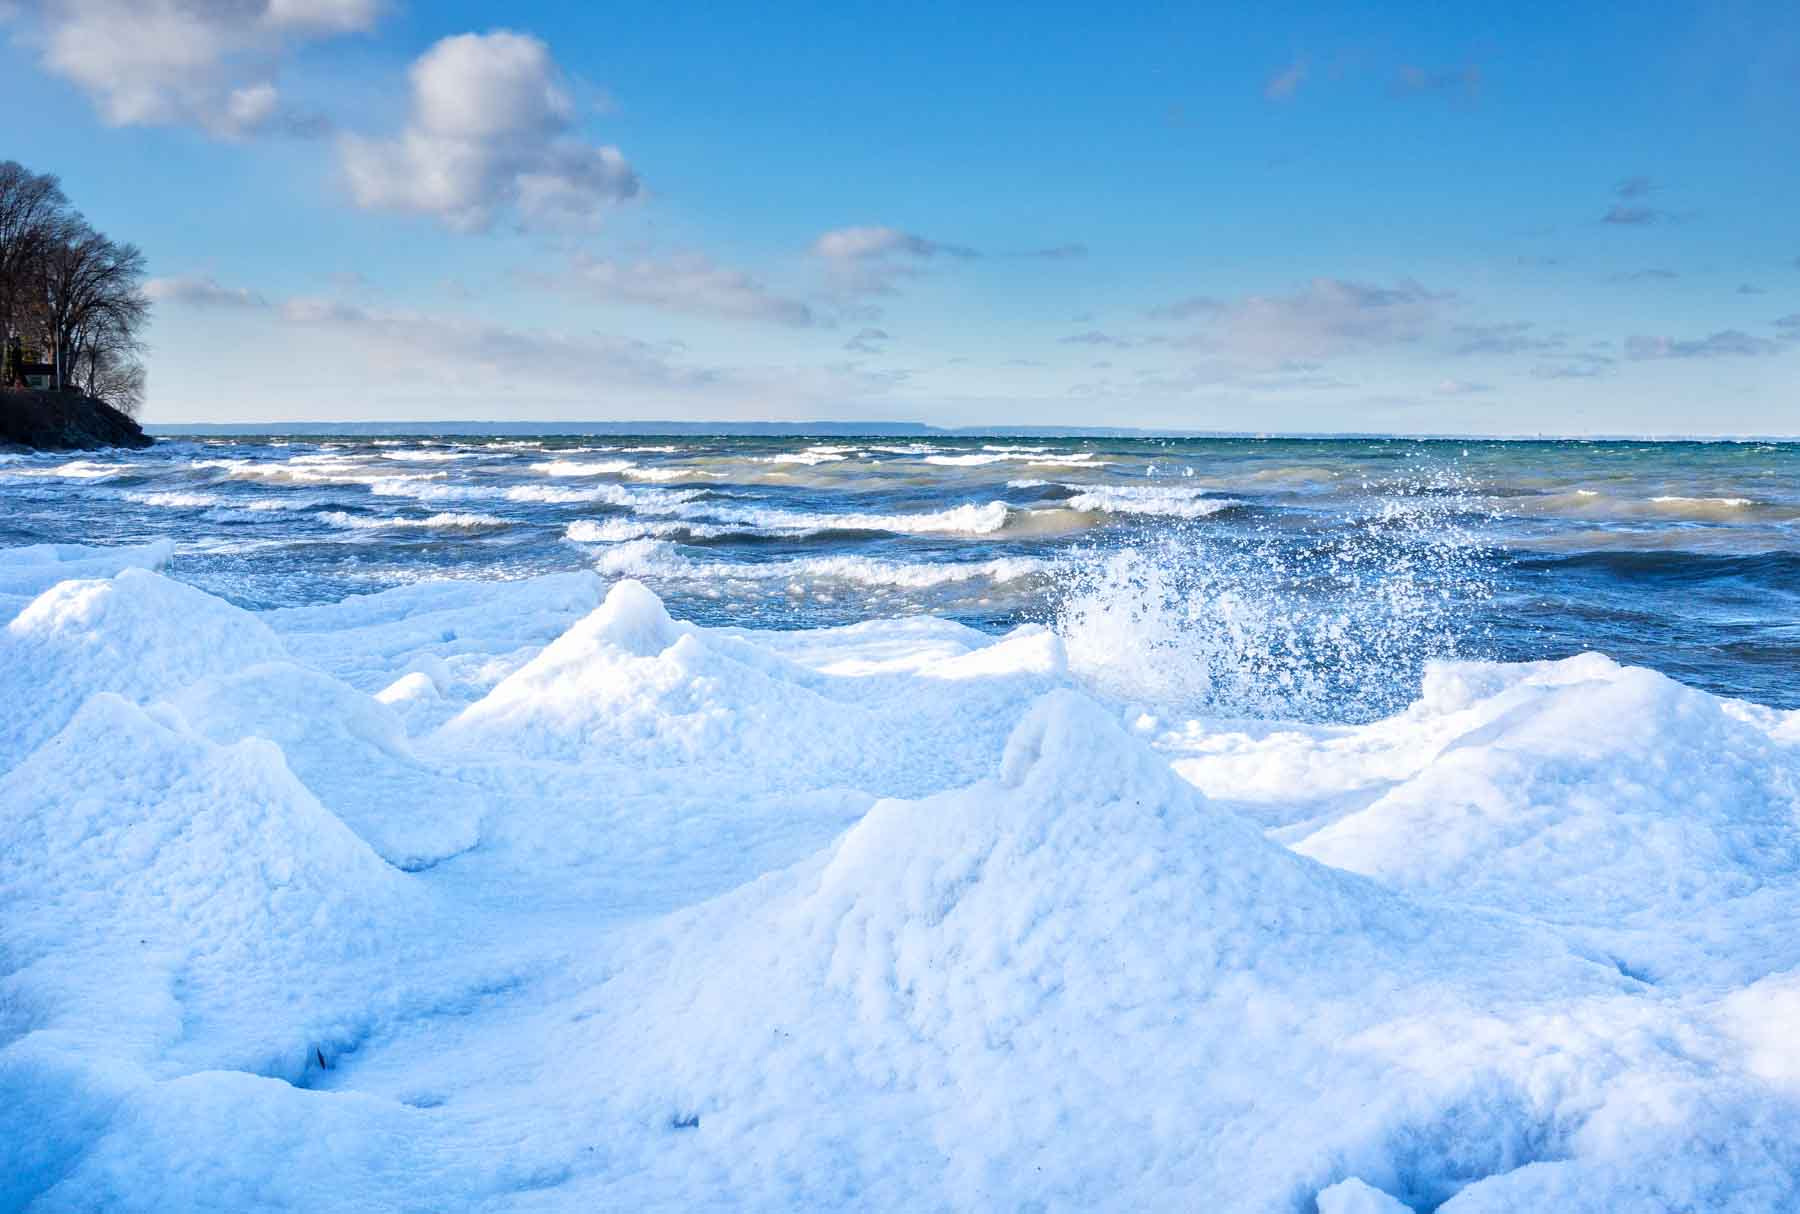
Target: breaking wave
{"points": [[1338, 626]]}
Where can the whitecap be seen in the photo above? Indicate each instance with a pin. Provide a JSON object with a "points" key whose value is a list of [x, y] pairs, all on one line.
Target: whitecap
{"points": [[621, 530], [659, 558], [175, 499], [449, 521], [578, 467], [1151, 500]]}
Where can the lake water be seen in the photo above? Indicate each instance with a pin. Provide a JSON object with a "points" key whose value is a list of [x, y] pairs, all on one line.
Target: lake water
{"points": [[1296, 578]]}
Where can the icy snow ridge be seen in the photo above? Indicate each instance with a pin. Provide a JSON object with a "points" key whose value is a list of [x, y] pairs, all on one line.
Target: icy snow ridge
{"points": [[531, 895]]}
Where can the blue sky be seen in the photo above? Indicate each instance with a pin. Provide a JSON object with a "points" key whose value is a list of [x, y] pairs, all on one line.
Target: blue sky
{"points": [[1427, 217]]}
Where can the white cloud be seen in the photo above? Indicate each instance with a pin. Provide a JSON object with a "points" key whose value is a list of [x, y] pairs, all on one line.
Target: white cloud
{"points": [[198, 291], [490, 131], [690, 283], [204, 63]]}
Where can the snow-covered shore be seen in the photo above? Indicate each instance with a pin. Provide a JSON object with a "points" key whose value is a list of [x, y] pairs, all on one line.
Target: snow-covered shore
{"points": [[526, 895]]}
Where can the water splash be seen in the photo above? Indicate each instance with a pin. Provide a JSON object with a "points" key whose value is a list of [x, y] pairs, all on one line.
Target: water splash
{"points": [[1292, 618]]}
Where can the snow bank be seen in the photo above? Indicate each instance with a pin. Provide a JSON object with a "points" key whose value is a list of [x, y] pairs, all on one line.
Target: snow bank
{"points": [[885, 916]]}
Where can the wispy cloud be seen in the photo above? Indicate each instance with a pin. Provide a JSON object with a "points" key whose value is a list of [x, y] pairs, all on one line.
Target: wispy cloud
{"points": [[1653, 274], [875, 243], [1727, 343], [1094, 337], [868, 341], [1327, 316], [1632, 211], [471, 362], [1513, 337], [1576, 366], [203, 291], [1187, 309], [1634, 216], [421, 344], [870, 259], [1413, 80], [1284, 84], [689, 283], [491, 131]]}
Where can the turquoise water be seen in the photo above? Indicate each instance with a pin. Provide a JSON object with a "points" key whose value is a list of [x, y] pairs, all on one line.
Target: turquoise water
{"points": [[1289, 577]]}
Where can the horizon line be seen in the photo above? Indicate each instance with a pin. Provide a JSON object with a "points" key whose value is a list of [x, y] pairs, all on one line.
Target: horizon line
{"points": [[882, 429]]}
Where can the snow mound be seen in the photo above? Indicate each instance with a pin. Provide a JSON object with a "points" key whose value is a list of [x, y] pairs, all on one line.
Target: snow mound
{"points": [[1589, 794], [139, 635], [166, 904], [126, 831], [629, 686], [1080, 950], [350, 751]]}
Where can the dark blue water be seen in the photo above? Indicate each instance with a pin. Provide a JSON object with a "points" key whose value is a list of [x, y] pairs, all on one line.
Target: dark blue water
{"points": [[1311, 577]]}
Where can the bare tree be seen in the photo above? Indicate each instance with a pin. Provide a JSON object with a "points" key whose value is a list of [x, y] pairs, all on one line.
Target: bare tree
{"points": [[108, 366], [69, 291], [33, 211], [94, 305]]}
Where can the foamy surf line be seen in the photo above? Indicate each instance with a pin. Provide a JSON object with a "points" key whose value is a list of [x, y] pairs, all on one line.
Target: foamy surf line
{"points": [[660, 559], [980, 520], [446, 521], [976, 914]]}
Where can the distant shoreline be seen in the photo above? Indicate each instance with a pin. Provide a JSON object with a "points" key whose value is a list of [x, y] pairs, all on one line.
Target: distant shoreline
{"points": [[827, 429]]}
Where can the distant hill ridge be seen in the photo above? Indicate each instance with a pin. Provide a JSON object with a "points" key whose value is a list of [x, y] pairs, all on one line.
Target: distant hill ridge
{"points": [[842, 429], [802, 429]]}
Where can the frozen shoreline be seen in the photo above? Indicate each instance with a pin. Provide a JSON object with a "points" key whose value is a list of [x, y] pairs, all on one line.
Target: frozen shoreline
{"points": [[528, 896]]}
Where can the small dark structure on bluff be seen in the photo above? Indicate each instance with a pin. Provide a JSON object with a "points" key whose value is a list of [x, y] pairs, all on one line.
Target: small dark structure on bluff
{"points": [[22, 368]]}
